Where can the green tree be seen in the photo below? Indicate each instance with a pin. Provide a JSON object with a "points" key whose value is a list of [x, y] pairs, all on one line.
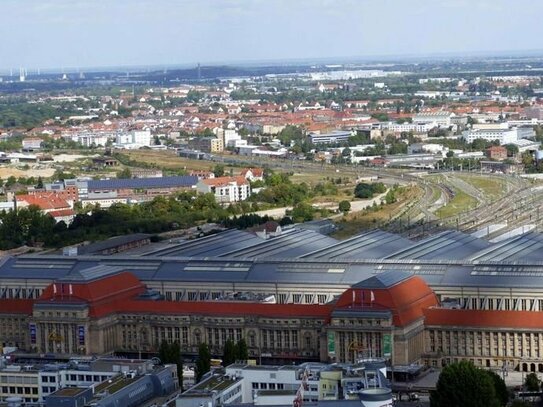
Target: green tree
{"points": [[344, 206], [462, 384], [512, 150], [499, 385], [229, 353], [125, 173], [242, 353], [365, 191], [11, 181], [302, 212], [171, 353], [164, 352], [203, 363], [219, 170], [390, 197], [531, 382], [39, 185]]}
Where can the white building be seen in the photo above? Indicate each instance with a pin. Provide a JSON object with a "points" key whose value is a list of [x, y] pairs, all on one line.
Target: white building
{"points": [[32, 143], [226, 189], [438, 119], [408, 127], [88, 139], [33, 384], [333, 137], [427, 148], [133, 139], [257, 151], [231, 138], [503, 136]]}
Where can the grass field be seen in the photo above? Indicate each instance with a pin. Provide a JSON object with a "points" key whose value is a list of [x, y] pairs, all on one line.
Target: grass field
{"points": [[358, 222], [460, 203], [167, 159], [491, 187]]}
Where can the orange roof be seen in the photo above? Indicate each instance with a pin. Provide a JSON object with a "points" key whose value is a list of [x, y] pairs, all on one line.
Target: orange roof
{"points": [[222, 181], [482, 318], [257, 172], [109, 290], [44, 202], [118, 293], [407, 299]]}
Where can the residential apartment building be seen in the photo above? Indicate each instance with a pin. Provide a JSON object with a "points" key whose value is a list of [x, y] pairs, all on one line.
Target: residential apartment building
{"points": [[497, 153], [226, 189], [207, 144], [502, 135], [329, 138], [90, 138], [408, 127], [133, 139], [437, 119]]}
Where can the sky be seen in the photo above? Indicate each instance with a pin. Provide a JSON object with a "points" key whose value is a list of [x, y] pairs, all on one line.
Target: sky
{"points": [[92, 33]]}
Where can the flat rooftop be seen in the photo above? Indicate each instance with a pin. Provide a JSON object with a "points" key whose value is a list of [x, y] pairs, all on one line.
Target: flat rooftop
{"points": [[214, 383], [69, 391]]}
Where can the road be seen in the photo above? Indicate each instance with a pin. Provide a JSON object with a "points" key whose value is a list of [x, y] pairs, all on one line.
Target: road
{"points": [[356, 206]]}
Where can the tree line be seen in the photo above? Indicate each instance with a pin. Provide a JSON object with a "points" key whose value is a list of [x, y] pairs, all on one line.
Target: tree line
{"points": [[29, 226]]}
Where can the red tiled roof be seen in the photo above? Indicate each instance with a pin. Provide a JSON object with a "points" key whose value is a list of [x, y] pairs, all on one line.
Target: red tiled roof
{"points": [[44, 202], [482, 318], [406, 300], [122, 286], [221, 181], [257, 172], [13, 306]]}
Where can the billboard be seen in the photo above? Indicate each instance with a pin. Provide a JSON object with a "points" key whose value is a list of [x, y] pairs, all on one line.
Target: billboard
{"points": [[32, 329], [387, 345], [331, 343], [81, 334]]}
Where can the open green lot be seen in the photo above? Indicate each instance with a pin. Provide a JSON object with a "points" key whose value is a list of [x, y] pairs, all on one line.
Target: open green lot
{"points": [[491, 186], [460, 203]]}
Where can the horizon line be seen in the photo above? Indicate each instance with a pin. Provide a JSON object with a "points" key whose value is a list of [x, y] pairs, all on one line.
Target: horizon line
{"points": [[369, 59]]}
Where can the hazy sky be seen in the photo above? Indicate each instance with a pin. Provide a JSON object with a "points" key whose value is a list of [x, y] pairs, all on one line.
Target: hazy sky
{"points": [[80, 33]]}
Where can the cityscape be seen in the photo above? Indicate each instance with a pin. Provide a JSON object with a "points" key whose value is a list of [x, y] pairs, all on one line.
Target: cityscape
{"points": [[268, 203]]}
